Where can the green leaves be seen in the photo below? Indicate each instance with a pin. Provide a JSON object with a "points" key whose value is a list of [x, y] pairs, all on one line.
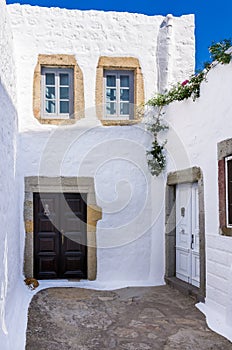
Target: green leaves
{"points": [[156, 158], [217, 51], [157, 126], [181, 91]]}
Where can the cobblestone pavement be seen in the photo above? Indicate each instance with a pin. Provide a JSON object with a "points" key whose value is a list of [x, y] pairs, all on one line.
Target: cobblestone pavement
{"points": [[129, 319]]}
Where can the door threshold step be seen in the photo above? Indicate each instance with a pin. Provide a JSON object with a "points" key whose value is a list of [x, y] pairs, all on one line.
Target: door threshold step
{"points": [[185, 288]]}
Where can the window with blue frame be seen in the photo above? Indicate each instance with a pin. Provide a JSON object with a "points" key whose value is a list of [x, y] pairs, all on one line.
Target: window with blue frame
{"points": [[57, 93], [118, 94]]}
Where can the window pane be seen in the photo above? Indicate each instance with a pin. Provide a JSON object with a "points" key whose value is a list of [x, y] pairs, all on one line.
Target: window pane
{"points": [[50, 79], [64, 93], [50, 92], [229, 186], [50, 106], [110, 94], [124, 81], [124, 94], [111, 108], [124, 108], [64, 79], [111, 80], [64, 107]]}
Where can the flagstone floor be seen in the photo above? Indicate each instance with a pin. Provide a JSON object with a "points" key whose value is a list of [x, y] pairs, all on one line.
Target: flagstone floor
{"points": [[129, 319]]}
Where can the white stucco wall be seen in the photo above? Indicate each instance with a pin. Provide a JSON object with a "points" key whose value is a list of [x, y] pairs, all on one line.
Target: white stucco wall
{"points": [[91, 34], [195, 130], [11, 285], [7, 68], [129, 236]]}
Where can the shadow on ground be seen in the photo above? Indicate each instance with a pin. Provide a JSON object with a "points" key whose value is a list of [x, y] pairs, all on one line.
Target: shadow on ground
{"points": [[132, 319]]}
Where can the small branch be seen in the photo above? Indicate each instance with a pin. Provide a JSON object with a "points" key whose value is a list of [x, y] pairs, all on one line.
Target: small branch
{"points": [[189, 88]]}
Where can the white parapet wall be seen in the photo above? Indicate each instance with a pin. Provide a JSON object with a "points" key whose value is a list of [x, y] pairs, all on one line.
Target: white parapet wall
{"points": [[195, 130], [7, 67]]}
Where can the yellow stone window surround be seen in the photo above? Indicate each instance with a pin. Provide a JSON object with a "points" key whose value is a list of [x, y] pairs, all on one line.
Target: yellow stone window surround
{"points": [[59, 61], [119, 63]]}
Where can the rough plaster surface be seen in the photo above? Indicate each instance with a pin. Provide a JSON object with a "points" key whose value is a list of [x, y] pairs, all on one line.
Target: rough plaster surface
{"points": [[115, 158], [89, 35], [195, 129], [7, 67], [11, 290]]}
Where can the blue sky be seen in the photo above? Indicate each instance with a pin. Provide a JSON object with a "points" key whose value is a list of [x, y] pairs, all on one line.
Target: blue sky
{"points": [[213, 18]]}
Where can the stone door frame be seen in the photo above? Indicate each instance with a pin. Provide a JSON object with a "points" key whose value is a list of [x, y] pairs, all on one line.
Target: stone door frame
{"points": [[189, 175], [61, 185]]}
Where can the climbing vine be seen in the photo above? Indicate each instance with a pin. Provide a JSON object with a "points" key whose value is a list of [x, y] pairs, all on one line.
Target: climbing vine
{"points": [[190, 88]]}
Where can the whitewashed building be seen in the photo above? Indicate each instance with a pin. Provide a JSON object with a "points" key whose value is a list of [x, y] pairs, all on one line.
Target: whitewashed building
{"points": [[85, 135], [77, 199], [202, 132]]}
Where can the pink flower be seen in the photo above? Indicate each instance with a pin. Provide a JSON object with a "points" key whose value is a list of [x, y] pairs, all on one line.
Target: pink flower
{"points": [[185, 82]]}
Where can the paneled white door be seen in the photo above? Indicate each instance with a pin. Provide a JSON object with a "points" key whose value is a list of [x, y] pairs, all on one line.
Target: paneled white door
{"points": [[187, 234]]}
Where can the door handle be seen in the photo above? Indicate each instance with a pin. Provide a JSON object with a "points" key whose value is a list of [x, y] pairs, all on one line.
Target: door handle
{"points": [[62, 236], [192, 241]]}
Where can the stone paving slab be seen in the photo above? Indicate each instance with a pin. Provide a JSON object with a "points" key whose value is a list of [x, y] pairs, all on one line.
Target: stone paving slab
{"points": [[128, 319]]}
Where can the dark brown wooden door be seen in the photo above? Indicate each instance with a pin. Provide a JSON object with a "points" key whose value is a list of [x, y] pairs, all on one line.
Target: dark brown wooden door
{"points": [[60, 235], [229, 190]]}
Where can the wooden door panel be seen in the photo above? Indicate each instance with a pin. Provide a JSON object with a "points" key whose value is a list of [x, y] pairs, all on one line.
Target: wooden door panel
{"points": [[47, 222], [74, 267], [60, 235], [196, 269], [195, 272], [47, 267], [195, 219], [46, 240], [229, 189], [182, 264], [75, 204], [74, 241], [187, 233], [183, 231], [47, 244], [183, 213], [73, 224], [45, 225]]}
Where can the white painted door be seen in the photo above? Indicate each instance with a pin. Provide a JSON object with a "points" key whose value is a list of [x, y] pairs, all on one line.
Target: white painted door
{"points": [[187, 234]]}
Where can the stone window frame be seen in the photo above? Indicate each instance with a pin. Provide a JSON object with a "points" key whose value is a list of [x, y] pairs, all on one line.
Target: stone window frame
{"points": [[224, 150], [189, 175], [119, 63], [61, 185], [59, 61]]}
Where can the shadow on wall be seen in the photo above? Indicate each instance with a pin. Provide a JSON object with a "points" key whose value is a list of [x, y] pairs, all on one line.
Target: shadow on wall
{"points": [[4, 288], [229, 308]]}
